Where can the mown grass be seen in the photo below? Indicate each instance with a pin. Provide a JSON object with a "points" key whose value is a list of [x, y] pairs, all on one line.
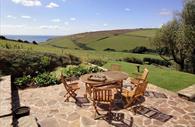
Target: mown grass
{"points": [[167, 78]]}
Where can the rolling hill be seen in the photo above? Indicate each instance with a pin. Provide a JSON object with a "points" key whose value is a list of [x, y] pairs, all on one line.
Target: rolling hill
{"points": [[115, 39]]}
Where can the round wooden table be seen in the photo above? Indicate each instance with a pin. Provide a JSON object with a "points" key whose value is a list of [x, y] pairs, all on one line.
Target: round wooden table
{"points": [[112, 77]]}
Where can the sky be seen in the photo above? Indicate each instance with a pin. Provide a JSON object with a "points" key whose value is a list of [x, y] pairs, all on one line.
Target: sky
{"points": [[65, 17]]}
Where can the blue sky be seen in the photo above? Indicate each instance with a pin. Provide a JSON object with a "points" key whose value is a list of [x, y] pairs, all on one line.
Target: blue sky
{"points": [[62, 17]]}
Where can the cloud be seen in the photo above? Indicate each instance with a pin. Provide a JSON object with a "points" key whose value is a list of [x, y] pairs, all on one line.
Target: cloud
{"points": [[11, 17], [72, 19], [55, 20], [12, 26], [127, 9], [66, 23], [28, 2], [105, 24], [26, 17], [49, 27], [52, 5], [165, 12]]}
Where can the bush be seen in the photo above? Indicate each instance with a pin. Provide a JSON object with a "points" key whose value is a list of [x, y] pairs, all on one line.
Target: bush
{"points": [[98, 62], [22, 82], [3, 37], [77, 71], [140, 49], [30, 63], [45, 79], [109, 49], [132, 60], [156, 61]]}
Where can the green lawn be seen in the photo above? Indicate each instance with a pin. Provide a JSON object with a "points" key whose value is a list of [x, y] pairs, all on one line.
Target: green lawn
{"points": [[163, 77]]}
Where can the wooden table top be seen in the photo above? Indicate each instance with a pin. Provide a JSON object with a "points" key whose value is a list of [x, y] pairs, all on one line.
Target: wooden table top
{"points": [[111, 77]]}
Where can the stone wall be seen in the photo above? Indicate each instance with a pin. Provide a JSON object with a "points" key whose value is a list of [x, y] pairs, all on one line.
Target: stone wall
{"points": [[5, 101]]}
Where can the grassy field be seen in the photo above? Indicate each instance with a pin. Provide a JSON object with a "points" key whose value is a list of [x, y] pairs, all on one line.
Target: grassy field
{"points": [[161, 76], [83, 54], [100, 40]]}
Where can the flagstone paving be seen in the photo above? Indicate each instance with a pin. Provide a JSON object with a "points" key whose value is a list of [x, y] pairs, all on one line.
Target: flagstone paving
{"points": [[48, 106]]}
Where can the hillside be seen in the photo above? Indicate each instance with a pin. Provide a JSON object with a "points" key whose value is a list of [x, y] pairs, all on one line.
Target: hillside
{"points": [[85, 55], [116, 39]]}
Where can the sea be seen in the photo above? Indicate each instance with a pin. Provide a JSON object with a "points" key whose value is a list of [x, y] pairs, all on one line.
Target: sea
{"points": [[30, 38]]}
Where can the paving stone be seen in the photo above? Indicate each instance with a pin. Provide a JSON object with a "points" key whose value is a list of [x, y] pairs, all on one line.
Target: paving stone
{"points": [[188, 93], [40, 103], [102, 123], [73, 116], [50, 122], [179, 126], [63, 123], [179, 110], [27, 121], [75, 123], [147, 122], [87, 122], [51, 102]]}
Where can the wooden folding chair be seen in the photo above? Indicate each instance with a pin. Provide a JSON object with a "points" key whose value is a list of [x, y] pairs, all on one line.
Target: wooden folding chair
{"points": [[133, 96], [70, 88], [103, 95], [115, 67], [140, 78]]}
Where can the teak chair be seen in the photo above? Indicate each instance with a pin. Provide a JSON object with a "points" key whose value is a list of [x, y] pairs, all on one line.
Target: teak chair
{"points": [[115, 67], [140, 78], [133, 96], [70, 88], [103, 95]]}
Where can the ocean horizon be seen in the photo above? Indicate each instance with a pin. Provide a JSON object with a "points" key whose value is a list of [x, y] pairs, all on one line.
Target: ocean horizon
{"points": [[31, 38]]}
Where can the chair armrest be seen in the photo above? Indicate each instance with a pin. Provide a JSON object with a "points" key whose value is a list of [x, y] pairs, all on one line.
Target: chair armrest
{"points": [[73, 83], [137, 74]]}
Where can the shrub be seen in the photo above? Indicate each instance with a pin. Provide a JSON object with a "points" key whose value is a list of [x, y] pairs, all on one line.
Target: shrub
{"points": [[109, 49], [3, 37], [22, 82], [34, 42], [132, 60], [77, 71], [98, 62], [140, 49], [31, 63], [156, 61], [45, 79]]}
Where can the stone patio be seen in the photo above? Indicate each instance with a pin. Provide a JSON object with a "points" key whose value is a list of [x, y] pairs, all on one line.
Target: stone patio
{"points": [[48, 106]]}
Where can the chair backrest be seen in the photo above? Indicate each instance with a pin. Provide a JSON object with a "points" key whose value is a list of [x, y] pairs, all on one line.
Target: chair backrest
{"points": [[67, 87], [140, 89], [64, 83], [145, 74], [115, 67], [102, 94]]}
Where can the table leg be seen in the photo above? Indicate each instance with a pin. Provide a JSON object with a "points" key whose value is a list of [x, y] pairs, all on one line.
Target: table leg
{"points": [[86, 90]]}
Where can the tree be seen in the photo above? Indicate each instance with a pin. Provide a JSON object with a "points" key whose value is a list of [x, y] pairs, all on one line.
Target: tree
{"points": [[178, 36]]}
